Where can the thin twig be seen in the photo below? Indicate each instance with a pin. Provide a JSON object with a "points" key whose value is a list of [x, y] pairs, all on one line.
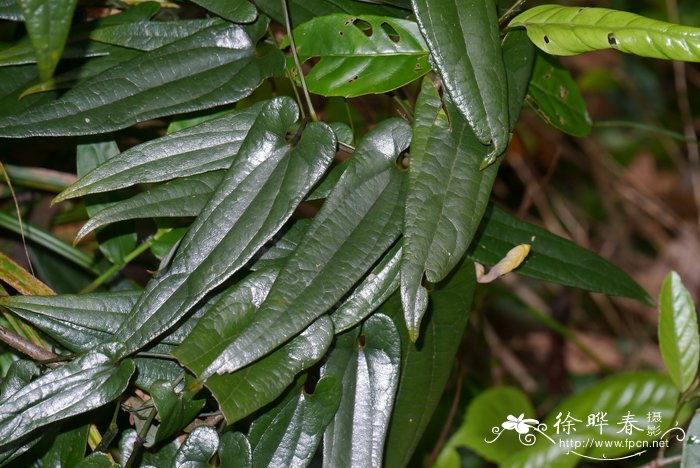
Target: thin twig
{"points": [[511, 11], [141, 438], [19, 217], [26, 347], [288, 24]]}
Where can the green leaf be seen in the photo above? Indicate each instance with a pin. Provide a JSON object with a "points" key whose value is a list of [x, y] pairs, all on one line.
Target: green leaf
{"points": [[360, 219], [198, 448], [205, 147], [116, 242], [691, 445], [263, 381], [238, 11], [555, 97], [68, 447], [447, 190], [465, 48], [426, 366], [176, 407], [79, 386], [235, 451], [231, 71], [47, 24], [552, 258], [262, 188], [184, 196], [10, 10], [376, 288], [489, 410], [96, 460], [360, 54], [560, 30], [291, 432], [285, 245], [149, 35], [679, 341], [19, 374], [368, 369], [302, 11]]}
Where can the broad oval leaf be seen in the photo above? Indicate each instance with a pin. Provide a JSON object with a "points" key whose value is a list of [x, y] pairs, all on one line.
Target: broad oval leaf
{"points": [[368, 368], [552, 258], [263, 186], [360, 219], [560, 30], [360, 54], [447, 190], [235, 451], [79, 386], [555, 97], [678, 332], [205, 147], [465, 48], [47, 24], [291, 432], [198, 448], [221, 60], [302, 11]]}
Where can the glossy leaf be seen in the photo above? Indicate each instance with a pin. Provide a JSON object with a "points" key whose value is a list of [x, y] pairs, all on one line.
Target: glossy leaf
{"points": [[20, 279], [198, 448], [184, 196], [262, 188], [679, 341], [22, 53], [552, 258], [79, 386], [360, 219], [447, 190], [291, 432], [302, 11], [691, 445], [235, 451], [556, 97], [48, 24], [10, 10], [560, 30], [284, 246], [368, 368], [68, 447], [360, 54], [176, 407], [465, 48], [238, 11], [426, 366], [263, 381], [202, 148], [376, 288], [227, 72], [149, 35], [20, 373]]}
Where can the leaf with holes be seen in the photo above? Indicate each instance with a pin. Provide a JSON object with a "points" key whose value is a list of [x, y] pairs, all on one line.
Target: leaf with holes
{"points": [[367, 366], [360, 54], [678, 332], [465, 48], [138, 89], [263, 186], [560, 30], [555, 97], [360, 219], [447, 191]]}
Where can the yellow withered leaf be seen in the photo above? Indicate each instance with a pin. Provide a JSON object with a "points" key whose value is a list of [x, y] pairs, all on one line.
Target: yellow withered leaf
{"points": [[510, 262]]}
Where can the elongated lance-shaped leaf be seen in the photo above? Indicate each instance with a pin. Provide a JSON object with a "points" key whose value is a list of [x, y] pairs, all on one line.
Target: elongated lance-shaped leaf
{"points": [[678, 332], [465, 48], [205, 147], [184, 196], [368, 368], [262, 188], [216, 66], [79, 386], [356, 61], [238, 11], [376, 288], [47, 24], [552, 258], [291, 432], [360, 219], [560, 30], [425, 369], [149, 35], [447, 191]]}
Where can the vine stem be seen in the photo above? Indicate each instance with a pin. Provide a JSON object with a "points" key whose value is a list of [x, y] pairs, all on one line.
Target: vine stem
{"points": [[297, 63], [26, 347], [511, 11]]}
